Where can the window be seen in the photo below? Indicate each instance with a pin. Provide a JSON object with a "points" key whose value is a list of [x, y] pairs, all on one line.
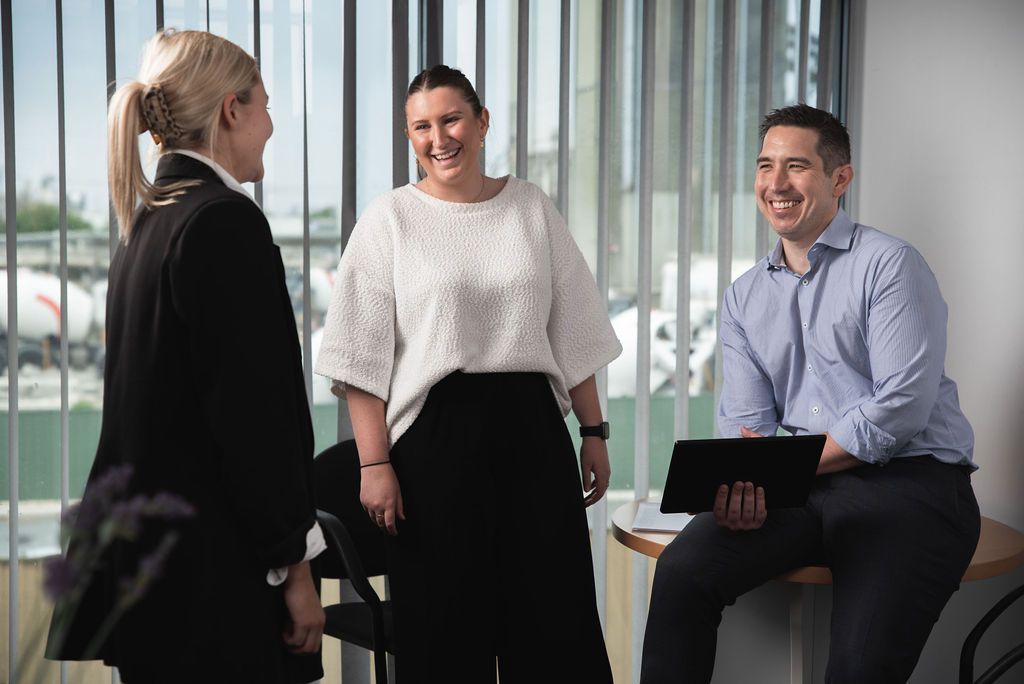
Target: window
{"points": [[639, 117]]}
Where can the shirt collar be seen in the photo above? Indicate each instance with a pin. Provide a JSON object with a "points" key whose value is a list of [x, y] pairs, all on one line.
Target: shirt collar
{"points": [[838, 235], [221, 172]]}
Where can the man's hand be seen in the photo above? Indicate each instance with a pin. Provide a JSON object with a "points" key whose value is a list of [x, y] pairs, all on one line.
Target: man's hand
{"points": [[381, 496], [305, 626], [594, 467], [743, 508]]}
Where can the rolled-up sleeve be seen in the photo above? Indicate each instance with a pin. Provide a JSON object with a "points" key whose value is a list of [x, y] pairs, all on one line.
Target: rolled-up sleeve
{"points": [[358, 344], [747, 399], [580, 334], [906, 340]]}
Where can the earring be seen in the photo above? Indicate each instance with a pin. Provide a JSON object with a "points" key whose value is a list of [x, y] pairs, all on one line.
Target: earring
{"points": [[481, 143]]}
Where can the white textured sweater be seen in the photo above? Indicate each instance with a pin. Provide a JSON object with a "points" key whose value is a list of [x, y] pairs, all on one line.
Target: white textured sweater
{"points": [[427, 287]]}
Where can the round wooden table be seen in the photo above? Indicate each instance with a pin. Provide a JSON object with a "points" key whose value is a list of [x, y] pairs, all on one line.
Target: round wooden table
{"points": [[1000, 550]]}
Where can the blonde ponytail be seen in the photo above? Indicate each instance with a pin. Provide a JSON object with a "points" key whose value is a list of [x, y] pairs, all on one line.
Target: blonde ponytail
{"points": [[184, 78]]}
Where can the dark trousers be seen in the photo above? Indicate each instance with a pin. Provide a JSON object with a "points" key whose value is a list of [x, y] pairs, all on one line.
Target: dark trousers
{"points": [[493, 558], [897, 538]]}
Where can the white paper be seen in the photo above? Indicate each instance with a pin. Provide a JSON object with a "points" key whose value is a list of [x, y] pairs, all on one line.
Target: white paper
{"points": [[650, 519]]}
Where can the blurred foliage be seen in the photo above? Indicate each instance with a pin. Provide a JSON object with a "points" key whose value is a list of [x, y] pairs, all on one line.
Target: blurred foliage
{"points": [[40, 217]]}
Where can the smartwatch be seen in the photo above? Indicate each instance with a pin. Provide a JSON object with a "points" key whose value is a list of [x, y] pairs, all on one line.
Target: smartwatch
{"points": [[595, 430]]}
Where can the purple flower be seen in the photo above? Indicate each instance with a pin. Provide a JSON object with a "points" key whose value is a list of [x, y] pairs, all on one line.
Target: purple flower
{"points": [[125, 519], [59, 577], [107, 515], [169, 506], [151, 567], [99, 494]]}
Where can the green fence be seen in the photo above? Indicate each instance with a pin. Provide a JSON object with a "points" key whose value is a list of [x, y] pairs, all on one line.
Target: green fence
{"points": [[39, 443]]}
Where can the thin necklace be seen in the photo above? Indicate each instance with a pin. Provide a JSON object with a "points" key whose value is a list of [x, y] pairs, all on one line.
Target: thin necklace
{"points": [[483, 183]]}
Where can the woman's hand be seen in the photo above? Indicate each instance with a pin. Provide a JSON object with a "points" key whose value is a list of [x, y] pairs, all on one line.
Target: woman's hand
{"points": [[381, 496], [378, 485], [305, 625], [594, 467]]}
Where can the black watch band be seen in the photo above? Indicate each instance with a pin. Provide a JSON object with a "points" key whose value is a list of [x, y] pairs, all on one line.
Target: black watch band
{"points": [[595, 430]]}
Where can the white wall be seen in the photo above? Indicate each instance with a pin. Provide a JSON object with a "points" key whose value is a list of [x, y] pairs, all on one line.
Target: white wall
{"points": [[938, 130]]}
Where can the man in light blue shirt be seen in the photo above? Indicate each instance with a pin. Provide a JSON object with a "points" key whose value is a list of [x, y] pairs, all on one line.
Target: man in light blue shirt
{"points": [[840, 331]]}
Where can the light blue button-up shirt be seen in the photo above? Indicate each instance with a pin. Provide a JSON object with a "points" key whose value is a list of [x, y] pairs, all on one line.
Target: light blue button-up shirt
{"points": [[854, 347]]}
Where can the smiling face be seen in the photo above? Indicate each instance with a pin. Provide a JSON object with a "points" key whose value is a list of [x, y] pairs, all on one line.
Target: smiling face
{"points": [[446, 136], [794, 192]]}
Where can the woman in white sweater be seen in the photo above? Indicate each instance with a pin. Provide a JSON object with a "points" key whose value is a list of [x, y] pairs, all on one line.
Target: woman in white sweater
{"points": [[463, 326]]}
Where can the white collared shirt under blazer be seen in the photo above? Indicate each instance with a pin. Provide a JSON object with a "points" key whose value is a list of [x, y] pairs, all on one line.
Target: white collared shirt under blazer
{"points": [[427, 287]]}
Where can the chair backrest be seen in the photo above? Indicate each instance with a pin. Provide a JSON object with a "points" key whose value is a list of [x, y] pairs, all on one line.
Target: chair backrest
{"points": [[1006, 662], [337, 492]]}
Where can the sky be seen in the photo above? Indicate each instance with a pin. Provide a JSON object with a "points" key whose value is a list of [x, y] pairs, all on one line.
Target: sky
{"points": [[35, 88]]}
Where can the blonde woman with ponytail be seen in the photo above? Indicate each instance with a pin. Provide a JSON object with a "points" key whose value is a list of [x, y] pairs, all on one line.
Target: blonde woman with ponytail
{"points": [[204, 396]]}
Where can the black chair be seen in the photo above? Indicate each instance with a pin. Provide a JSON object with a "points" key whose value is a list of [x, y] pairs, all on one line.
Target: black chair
{"points": [[1009, 659], [355, 551]]}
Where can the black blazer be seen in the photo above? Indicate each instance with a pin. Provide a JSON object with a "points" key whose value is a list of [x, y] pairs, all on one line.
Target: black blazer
{"points": [[204, 396]]}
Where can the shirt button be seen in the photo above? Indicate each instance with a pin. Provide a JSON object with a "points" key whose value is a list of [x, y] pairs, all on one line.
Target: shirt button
{"points": [[815, 410], [810, 368], [805, 324], [805, 282]]}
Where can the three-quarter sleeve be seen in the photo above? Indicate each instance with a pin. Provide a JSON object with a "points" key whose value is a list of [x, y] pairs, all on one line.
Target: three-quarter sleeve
{"points": [[580, 334], [358, 344]]}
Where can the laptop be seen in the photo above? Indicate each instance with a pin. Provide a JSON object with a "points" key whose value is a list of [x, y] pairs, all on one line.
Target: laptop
{"points": [[784, 466]]}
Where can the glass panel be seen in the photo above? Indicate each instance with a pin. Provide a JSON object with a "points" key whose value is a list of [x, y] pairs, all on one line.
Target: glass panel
{"points": [[88, 243], [704, 265], [813, 35], [664, 235], [281, 36], [787, 53], [134, 24], [5, 483], [748, 65], [324, 100], [373, 97], [460, 36], [500, 58], [623, 232], [37, 411], [233, 20], [413, 70], [38, 451], [185, 14], [88, 224], [585, 107], [543, 97]]}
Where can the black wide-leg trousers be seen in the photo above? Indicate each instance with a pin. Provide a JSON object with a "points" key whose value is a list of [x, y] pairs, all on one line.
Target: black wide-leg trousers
{"points": [[493, 557], [897, 538]]}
